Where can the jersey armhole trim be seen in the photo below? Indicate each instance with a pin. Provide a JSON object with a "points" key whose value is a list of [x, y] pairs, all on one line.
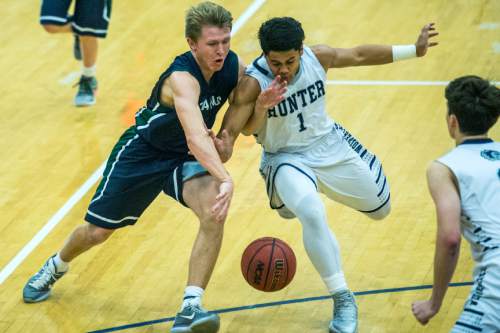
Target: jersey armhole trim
{"points": [[317, 60]]}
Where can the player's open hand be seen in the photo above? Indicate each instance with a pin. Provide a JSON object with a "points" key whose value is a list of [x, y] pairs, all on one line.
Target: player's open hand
{"points": [[424, 39], [423, 311], [272, 95], [223, 200]]}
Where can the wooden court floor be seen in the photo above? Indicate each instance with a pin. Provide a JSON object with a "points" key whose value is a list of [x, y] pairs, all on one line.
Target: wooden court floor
{"points": [[134, 282]]}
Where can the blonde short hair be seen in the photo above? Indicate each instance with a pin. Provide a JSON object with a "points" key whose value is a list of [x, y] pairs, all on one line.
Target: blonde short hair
{"points": [[206, 13]]}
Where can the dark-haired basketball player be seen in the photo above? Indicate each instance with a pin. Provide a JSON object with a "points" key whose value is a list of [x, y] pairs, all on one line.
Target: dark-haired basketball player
{"points": [[465, 187], [305, 151]]}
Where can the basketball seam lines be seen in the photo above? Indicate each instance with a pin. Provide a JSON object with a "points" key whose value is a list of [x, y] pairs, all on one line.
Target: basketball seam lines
{"points": [[286, 260], [270, 261], [251, 260]]}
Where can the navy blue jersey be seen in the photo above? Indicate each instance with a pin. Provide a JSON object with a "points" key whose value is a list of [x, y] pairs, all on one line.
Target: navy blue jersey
{"points": [[159, 125]]}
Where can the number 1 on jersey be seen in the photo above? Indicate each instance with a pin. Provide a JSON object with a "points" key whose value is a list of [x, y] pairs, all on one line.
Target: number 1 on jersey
{"points": [[301, 119]]}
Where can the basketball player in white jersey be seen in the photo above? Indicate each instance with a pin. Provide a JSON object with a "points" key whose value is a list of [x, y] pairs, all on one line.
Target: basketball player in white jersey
{"points": [[304, 150], [465, 187]]}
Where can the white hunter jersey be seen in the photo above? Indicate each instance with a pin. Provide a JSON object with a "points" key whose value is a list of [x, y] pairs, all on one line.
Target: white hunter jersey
{"points": [[476, 165], [301, 118]]}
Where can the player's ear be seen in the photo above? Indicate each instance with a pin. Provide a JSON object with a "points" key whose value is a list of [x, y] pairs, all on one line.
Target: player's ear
{"points": [[301, 51], [192, 44], [452, 122], [453, 119]]}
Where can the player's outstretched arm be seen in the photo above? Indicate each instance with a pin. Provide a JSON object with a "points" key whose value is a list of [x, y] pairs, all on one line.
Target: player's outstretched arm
{"points": [[186, 91], [446, 198], [365, 55]]}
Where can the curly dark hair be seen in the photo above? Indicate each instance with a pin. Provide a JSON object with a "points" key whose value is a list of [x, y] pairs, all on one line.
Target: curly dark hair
{"points": [[475, 102], [281, 34]]}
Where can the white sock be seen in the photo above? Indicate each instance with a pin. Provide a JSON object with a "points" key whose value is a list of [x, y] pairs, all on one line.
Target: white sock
{"points": [[192, 296], [61, 265], [89, 71], [335, 283]]}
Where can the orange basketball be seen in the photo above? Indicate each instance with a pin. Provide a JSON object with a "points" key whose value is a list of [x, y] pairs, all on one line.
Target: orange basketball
{"points": [[268, 264]]}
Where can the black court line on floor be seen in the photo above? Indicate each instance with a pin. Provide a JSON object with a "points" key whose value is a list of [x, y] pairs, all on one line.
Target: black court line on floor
{"points": [[290, 301]]}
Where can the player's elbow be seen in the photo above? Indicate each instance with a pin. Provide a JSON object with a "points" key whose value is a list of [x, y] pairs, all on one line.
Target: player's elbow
{"points": [[451, 241], [358, 56], [359, 60]]}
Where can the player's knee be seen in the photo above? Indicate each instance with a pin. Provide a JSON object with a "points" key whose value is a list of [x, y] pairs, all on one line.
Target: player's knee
{"points": [[211, 228], [310, 210], [199, 193], [381, 213], [205, 213], [51, 28], [98, 235], [312, 215], [207, 217]]}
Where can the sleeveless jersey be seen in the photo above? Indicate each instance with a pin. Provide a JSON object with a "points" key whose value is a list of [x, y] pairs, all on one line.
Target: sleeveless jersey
{"points": [[300, 119], [476, 165], [159, 125]]}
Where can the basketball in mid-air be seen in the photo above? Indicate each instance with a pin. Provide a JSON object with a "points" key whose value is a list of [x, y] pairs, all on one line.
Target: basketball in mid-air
{"points": [[268, 264]]}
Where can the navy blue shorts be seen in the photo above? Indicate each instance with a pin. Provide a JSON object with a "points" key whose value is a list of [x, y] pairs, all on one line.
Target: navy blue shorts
{"points": [[136, 172], [91, 17]]}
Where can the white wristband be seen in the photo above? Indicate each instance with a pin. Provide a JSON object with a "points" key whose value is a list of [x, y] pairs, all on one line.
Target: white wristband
{"points": [[402, 52]]}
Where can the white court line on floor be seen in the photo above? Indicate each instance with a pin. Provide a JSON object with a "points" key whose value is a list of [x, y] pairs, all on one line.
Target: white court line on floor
{"points": [[61, 213], [489, 26], [390, 83], [53, 221], [246, 15], [496, 47]]}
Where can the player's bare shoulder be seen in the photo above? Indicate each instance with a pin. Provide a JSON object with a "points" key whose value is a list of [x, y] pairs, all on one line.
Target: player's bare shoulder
{"points": [[177, 84], [325, 55]]}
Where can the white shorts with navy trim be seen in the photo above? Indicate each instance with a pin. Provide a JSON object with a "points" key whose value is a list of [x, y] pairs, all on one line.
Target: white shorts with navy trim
{"points": [[481, 311], [339, 166]]}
